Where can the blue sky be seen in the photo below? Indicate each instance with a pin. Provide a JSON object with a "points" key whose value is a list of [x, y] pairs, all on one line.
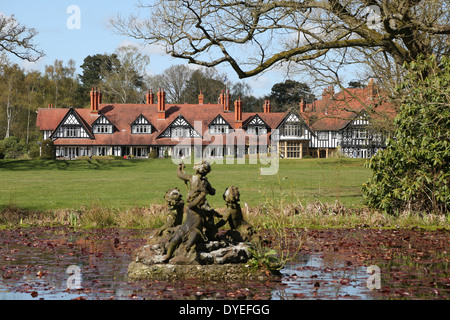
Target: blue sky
{"points": [[49, 18], [95, 35]]}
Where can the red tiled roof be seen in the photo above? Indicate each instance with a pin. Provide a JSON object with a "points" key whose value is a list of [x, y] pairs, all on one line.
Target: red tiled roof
{"points": [[333, 112], [123, 115]]}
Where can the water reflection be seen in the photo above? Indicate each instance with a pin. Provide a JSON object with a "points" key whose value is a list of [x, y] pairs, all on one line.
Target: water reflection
{"points": [[313, 277], [33, 266]]}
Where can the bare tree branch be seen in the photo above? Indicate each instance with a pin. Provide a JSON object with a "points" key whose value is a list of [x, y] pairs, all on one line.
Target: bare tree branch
{"points": [[253, 36], [17, 39]]}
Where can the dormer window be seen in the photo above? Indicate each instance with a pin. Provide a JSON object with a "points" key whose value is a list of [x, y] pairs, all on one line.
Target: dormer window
{"points": [[219, 129], [256, 126], [71, 127], [180, 132], [102, 129], [219, 126], [102, 125], [141, 126], [257, 130], [179, 128]]}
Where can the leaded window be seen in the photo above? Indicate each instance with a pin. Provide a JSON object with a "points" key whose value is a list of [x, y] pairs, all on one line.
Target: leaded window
{"points": [[141, 126], [219, 129], [292, 130], [322, 135], [102, 125], [257, 130], [102, 128]]}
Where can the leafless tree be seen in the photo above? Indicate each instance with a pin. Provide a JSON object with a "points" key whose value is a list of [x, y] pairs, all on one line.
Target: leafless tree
{"points": [[174, 80], [253, 36], [124, 81], [18, 39], [321, 39]]}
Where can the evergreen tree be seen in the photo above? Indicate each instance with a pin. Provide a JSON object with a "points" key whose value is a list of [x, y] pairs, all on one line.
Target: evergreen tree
{"points": [[289, 93], [48, 150]]}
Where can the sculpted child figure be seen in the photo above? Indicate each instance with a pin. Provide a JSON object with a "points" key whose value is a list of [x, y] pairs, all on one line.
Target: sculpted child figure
{"points": [[240, 230], [199, 213], [173, 198]]}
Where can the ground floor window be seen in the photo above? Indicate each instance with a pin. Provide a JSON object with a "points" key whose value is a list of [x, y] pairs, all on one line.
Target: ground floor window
{"points": [[140, 152], [117, 151], [359, 152], [293, 149], [101, 151], [181, 152]]}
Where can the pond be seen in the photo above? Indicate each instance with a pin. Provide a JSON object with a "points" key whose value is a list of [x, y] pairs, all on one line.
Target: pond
{"points": [[36, 263]]}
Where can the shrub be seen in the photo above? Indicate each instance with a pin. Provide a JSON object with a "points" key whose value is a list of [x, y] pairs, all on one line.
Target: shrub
{"points": [[153, 154], [48, 150], [34, 150], [412, 173], [11, 148]]}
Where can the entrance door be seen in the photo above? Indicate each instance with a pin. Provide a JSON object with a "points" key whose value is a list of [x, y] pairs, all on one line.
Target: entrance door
{"points": [[363, 153]]}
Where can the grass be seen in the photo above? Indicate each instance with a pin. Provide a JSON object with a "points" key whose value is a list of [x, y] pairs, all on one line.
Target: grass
{"points": [[308, 193], [123, 184]]}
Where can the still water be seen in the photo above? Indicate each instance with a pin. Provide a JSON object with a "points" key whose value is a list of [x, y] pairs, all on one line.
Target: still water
{"points": [[35, 264]]}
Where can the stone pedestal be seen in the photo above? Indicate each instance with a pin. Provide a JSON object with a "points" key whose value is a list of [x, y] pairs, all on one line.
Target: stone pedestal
{"points": [[212, 260]]}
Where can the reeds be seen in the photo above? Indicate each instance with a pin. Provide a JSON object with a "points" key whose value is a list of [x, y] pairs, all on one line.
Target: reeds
{"points": [[267, 216]]}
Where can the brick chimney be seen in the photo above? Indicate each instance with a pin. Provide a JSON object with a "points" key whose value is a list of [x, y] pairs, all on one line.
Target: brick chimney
{"points": [[328, 93], [201, 98], [99, 98], [149, 97], [267, 107], [371, 90], [222, 100], [238, 114], [227, 101], [94, 100], [302, 106], [161, 104]]}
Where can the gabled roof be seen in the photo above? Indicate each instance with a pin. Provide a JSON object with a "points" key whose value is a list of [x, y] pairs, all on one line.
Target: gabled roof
{"points": [[178, 121], [219, 119], [336, 111], [72, 112], [100, 118], [256, 119], [291, 115], [333, 112]]}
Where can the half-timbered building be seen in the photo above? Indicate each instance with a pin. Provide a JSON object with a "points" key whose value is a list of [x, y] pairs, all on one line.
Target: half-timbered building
{"points": [[336, 122]]}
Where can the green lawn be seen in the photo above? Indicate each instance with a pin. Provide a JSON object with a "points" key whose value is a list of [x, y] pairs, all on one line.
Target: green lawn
{"points": [[50, 185]]}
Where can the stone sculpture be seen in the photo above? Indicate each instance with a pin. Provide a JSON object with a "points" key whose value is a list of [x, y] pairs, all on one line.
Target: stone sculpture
{"points": [[175, 203], [240, 230], [195, 248], [199, 214]]}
